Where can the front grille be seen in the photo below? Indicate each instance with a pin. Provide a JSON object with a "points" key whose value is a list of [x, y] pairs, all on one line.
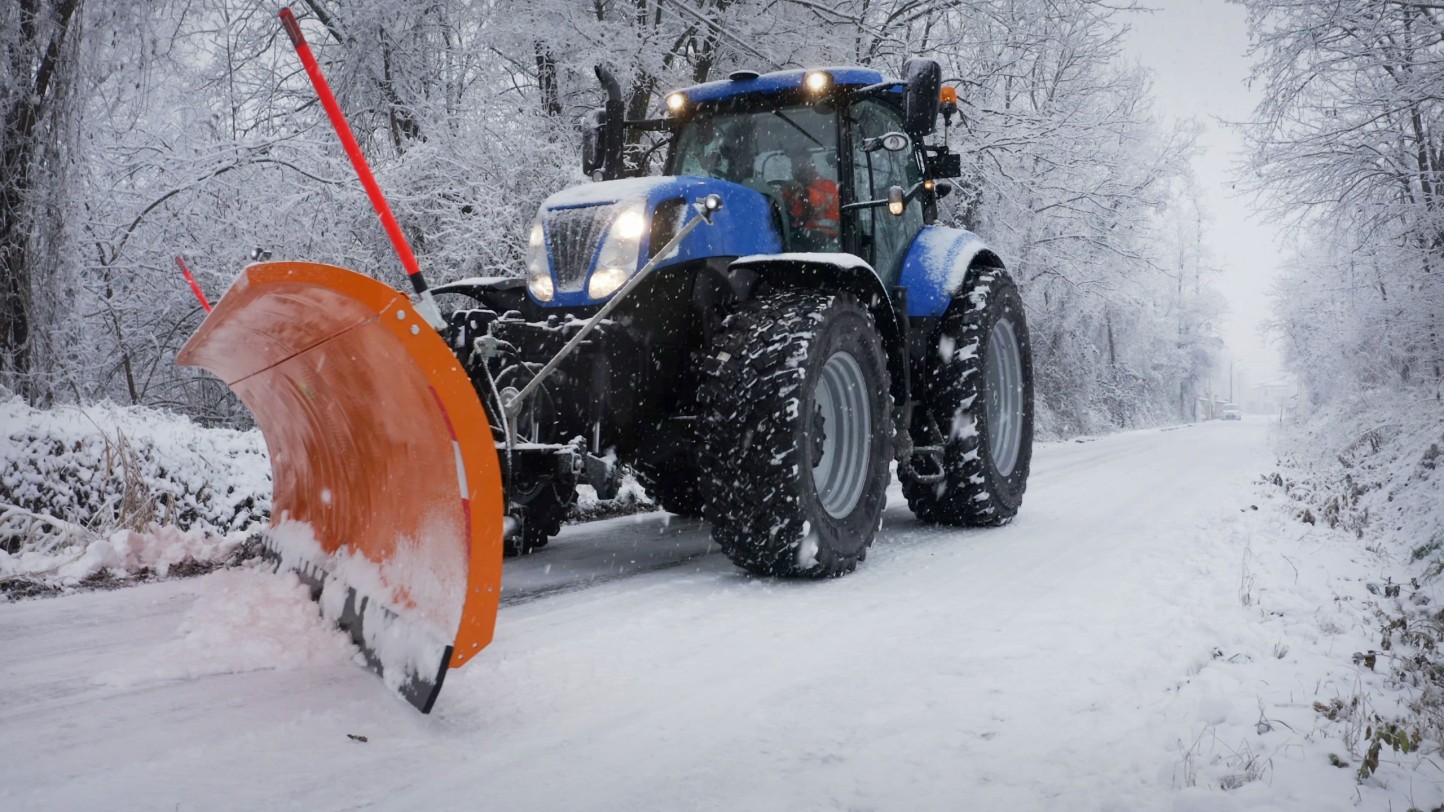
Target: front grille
{"points": [[572, 236]]}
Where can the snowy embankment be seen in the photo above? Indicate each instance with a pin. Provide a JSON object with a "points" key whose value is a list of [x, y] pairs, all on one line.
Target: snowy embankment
{"points": [[1156, 630], [105, 495], [108, 493], [1368, 474]]}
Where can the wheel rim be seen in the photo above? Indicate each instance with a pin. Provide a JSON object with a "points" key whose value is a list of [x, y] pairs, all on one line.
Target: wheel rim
{"points": [[1004, 400], [845, 413]]}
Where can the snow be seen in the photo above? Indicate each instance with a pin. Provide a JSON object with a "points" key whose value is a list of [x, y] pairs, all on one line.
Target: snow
{"points": [[948, 253], [611, 191], [482, 281], [433, 597], [246, 620], [807, 548], [845, 261], [1152, 632], [121, 553], [121, 479]]}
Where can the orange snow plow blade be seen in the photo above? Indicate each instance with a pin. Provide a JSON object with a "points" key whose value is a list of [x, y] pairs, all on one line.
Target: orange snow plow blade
{"points": [[387, 491]]}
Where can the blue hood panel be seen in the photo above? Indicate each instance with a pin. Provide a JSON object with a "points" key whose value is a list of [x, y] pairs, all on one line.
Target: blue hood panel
{"points": [[743, 226]]}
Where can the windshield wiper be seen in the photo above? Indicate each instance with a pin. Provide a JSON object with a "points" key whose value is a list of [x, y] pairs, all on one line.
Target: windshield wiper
{"points": [[798, 127]]}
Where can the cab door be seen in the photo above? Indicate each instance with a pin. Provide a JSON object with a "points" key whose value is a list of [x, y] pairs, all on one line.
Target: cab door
{"points": [[878, 236]]}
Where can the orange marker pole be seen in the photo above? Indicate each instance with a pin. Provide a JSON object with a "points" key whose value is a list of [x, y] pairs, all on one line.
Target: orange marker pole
{"points": [[427, 306], [195, 286]]}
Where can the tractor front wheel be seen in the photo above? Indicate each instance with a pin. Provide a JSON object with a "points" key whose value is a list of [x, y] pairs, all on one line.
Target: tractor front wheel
{"points": [[673, 486], [540, 498]]}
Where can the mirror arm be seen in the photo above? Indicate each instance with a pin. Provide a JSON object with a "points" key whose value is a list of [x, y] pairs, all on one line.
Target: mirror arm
{"points": [[652, 124], [865, 204], [908, 196]]}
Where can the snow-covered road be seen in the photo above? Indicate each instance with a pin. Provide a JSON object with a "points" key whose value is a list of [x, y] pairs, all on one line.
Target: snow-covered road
{"points": [[1061, 662]]}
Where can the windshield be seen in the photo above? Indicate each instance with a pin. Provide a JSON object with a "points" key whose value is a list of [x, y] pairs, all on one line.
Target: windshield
{"points": [[757, 149], [788, 154]]}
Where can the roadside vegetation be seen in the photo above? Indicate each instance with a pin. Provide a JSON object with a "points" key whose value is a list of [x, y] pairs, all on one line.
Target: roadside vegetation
{"points": [[1348, 148]]}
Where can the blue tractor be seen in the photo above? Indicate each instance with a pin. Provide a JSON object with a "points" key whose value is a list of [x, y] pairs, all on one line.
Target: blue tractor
{"points": [[758, 332], [762, 329]]}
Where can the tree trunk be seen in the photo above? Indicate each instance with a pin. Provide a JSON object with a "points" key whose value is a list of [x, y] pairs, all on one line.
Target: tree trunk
{"points": [[546, 73], [37, 62]]}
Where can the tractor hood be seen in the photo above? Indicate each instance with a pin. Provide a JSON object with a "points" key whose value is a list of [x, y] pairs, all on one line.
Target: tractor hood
{"points": [[588, 240]]}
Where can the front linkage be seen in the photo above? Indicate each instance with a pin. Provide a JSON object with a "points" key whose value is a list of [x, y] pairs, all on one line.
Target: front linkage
{"points": [[541, 477]]}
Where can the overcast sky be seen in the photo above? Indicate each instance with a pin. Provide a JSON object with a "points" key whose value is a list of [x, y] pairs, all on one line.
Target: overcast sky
{"points": [[1195, 49]]}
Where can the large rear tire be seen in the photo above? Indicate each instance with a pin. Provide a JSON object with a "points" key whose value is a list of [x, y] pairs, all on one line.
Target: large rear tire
{"points": [[977, 404], [796, 433]]}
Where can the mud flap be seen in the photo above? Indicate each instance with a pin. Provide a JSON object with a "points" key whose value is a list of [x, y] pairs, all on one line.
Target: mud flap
{"points": [[387, 491]]}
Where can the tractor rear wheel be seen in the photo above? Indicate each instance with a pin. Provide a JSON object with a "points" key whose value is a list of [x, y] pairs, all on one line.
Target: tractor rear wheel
{"points": [[796, 434], [977, 408]]}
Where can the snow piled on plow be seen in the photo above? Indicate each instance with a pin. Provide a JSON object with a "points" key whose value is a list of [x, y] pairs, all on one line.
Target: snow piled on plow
{"points": [[412, 603]]}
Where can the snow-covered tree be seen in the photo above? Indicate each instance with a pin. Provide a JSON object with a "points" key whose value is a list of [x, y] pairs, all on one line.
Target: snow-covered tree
{"points": [[39, 40], [1348, 144], [204, 140]]}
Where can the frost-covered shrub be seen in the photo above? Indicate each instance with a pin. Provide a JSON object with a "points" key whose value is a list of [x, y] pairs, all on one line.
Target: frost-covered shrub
{"points": [[1372, 462], [1373, 465], [88, 489]]}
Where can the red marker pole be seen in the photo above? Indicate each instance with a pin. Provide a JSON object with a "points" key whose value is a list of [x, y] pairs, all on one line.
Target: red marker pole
{"points": [[427, 306], [195, 287]]}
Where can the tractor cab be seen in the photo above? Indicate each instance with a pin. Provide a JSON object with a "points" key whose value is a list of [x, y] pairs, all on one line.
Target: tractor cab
{"points": [[837, 153], [787, 153]]}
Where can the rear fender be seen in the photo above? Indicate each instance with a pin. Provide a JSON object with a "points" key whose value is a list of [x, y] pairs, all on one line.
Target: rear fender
{"points": [[937, 266], [844, 272]]}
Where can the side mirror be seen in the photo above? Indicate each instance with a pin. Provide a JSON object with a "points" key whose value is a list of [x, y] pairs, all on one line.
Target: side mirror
{"points": [[594, 137], [896, 201], [892, 142], [924, 81], [942, 189]]}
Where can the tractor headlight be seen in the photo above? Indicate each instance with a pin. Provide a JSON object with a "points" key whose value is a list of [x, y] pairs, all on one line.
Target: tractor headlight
{"points": [[538, 273], [630, 225], [621, 250], [605, 282]]}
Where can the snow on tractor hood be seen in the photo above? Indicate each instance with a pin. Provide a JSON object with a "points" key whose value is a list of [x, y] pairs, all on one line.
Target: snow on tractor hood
{"points": [[588, 240]]}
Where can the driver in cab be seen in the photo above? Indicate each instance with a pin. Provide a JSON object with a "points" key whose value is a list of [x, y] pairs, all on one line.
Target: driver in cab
{"points": [[813, 206]]}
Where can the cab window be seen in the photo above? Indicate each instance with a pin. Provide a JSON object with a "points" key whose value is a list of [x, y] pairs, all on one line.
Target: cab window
{"points": [[882, 238]]}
